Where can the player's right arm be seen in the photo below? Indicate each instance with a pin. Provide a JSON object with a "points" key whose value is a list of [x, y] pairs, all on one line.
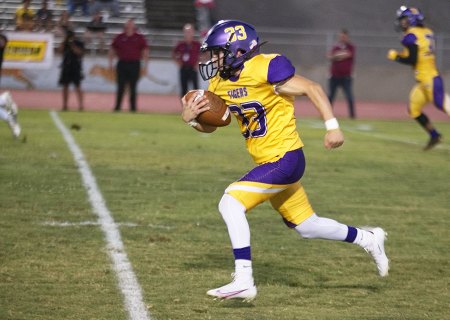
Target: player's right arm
{"points": [[191, 109]]}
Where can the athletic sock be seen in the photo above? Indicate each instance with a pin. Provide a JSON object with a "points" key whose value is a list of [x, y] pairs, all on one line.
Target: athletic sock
{"points": [[434, 133]]}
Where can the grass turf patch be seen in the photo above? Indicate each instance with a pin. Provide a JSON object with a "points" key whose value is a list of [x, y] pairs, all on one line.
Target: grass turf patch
{"points": [[162, 182]]}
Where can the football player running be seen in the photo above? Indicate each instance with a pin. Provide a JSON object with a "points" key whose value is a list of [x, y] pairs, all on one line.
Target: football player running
{"points": [[259, 90], [419, 52]]}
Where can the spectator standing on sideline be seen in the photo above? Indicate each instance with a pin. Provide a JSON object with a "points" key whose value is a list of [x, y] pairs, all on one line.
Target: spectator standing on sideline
{"points": [[72, 50], [203, 14], [342, 57], [186, 54], [129, 48], [419, 52], [95, 31], [44, 18], [8, 108], [24, 17]]}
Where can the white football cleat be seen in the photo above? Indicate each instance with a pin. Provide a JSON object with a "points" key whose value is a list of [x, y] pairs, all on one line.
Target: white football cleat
{"points": [[376, 249], [242, 287], [14, 126]]}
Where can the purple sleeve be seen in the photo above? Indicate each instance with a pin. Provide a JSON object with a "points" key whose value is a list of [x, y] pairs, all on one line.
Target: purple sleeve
{"points": [[280, 69], [409, 39]]}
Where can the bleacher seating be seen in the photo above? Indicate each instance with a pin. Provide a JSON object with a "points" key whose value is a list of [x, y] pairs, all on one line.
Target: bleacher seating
{"points": [[160, 20], [169, 14]]}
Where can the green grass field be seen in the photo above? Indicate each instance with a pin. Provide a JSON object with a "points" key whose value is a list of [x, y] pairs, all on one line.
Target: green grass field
{"points": [[162, 181]]}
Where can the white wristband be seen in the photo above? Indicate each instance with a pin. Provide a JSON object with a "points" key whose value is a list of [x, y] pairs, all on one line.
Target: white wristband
{"points": [[193, 123], [331, 124]]}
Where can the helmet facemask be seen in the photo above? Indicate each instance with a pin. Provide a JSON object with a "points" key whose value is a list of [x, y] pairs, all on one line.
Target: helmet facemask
{"points": [[219, 62], [222, 61]]}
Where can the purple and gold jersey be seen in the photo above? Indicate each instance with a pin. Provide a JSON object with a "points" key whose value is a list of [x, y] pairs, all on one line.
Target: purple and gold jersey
{"points": [[425, 68], [430, 86], [266, 120]]}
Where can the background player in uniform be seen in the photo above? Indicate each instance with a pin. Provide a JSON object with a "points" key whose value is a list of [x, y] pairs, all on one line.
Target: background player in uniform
{"points": [[419, 52], [259, 90]]}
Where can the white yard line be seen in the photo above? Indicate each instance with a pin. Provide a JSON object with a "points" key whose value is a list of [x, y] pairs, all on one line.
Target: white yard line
{"points": [[128, 283]]}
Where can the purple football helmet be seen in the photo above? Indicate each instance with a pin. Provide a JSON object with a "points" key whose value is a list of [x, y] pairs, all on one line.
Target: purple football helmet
{"points": [[415, 17], [228, 37]]}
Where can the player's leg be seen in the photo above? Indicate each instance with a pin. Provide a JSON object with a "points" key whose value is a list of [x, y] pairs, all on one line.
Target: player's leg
{"points": [[370, 239], [134, 73], [184, 77], [332, 87], [79, 94], [418, 98], [294, 207], [257, 186], [348, 92], [7, 102], [441, 100], [121, 81], [242, 285], [65, 96], [8, 113]]}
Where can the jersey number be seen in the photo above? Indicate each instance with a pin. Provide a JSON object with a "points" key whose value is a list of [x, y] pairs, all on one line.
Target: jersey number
{"points": [[236, 33], [259, 118]]}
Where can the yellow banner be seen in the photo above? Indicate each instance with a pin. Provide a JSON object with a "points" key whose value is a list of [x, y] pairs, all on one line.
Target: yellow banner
{"points": [[28, 50], [23, 50]]}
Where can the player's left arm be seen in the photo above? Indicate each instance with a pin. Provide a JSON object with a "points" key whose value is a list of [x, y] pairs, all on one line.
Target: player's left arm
{"points": [[300, 86], [410, 58], [409, 55], [191, 109]]}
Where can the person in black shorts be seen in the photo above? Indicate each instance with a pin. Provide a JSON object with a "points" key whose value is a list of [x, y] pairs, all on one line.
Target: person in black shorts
{"points": [[72, 50]]}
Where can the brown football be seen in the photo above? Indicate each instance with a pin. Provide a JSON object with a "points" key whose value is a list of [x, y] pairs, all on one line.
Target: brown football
{"points": [[218, 116]]}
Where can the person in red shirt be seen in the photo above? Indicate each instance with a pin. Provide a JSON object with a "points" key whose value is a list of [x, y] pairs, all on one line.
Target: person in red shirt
{"points": [[186, 55], [129, 48], [342, 57]]}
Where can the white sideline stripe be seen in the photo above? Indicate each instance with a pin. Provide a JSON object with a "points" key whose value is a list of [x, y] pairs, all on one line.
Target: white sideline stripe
{"points": [[128, 283]]}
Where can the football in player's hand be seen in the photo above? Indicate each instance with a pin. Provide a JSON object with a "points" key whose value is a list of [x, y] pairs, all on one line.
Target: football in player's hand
{"points": [[218, 115]]}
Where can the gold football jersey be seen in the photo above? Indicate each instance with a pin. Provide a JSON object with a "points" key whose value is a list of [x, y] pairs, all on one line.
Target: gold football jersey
{"points": [[266, 119], [425, 68]]}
